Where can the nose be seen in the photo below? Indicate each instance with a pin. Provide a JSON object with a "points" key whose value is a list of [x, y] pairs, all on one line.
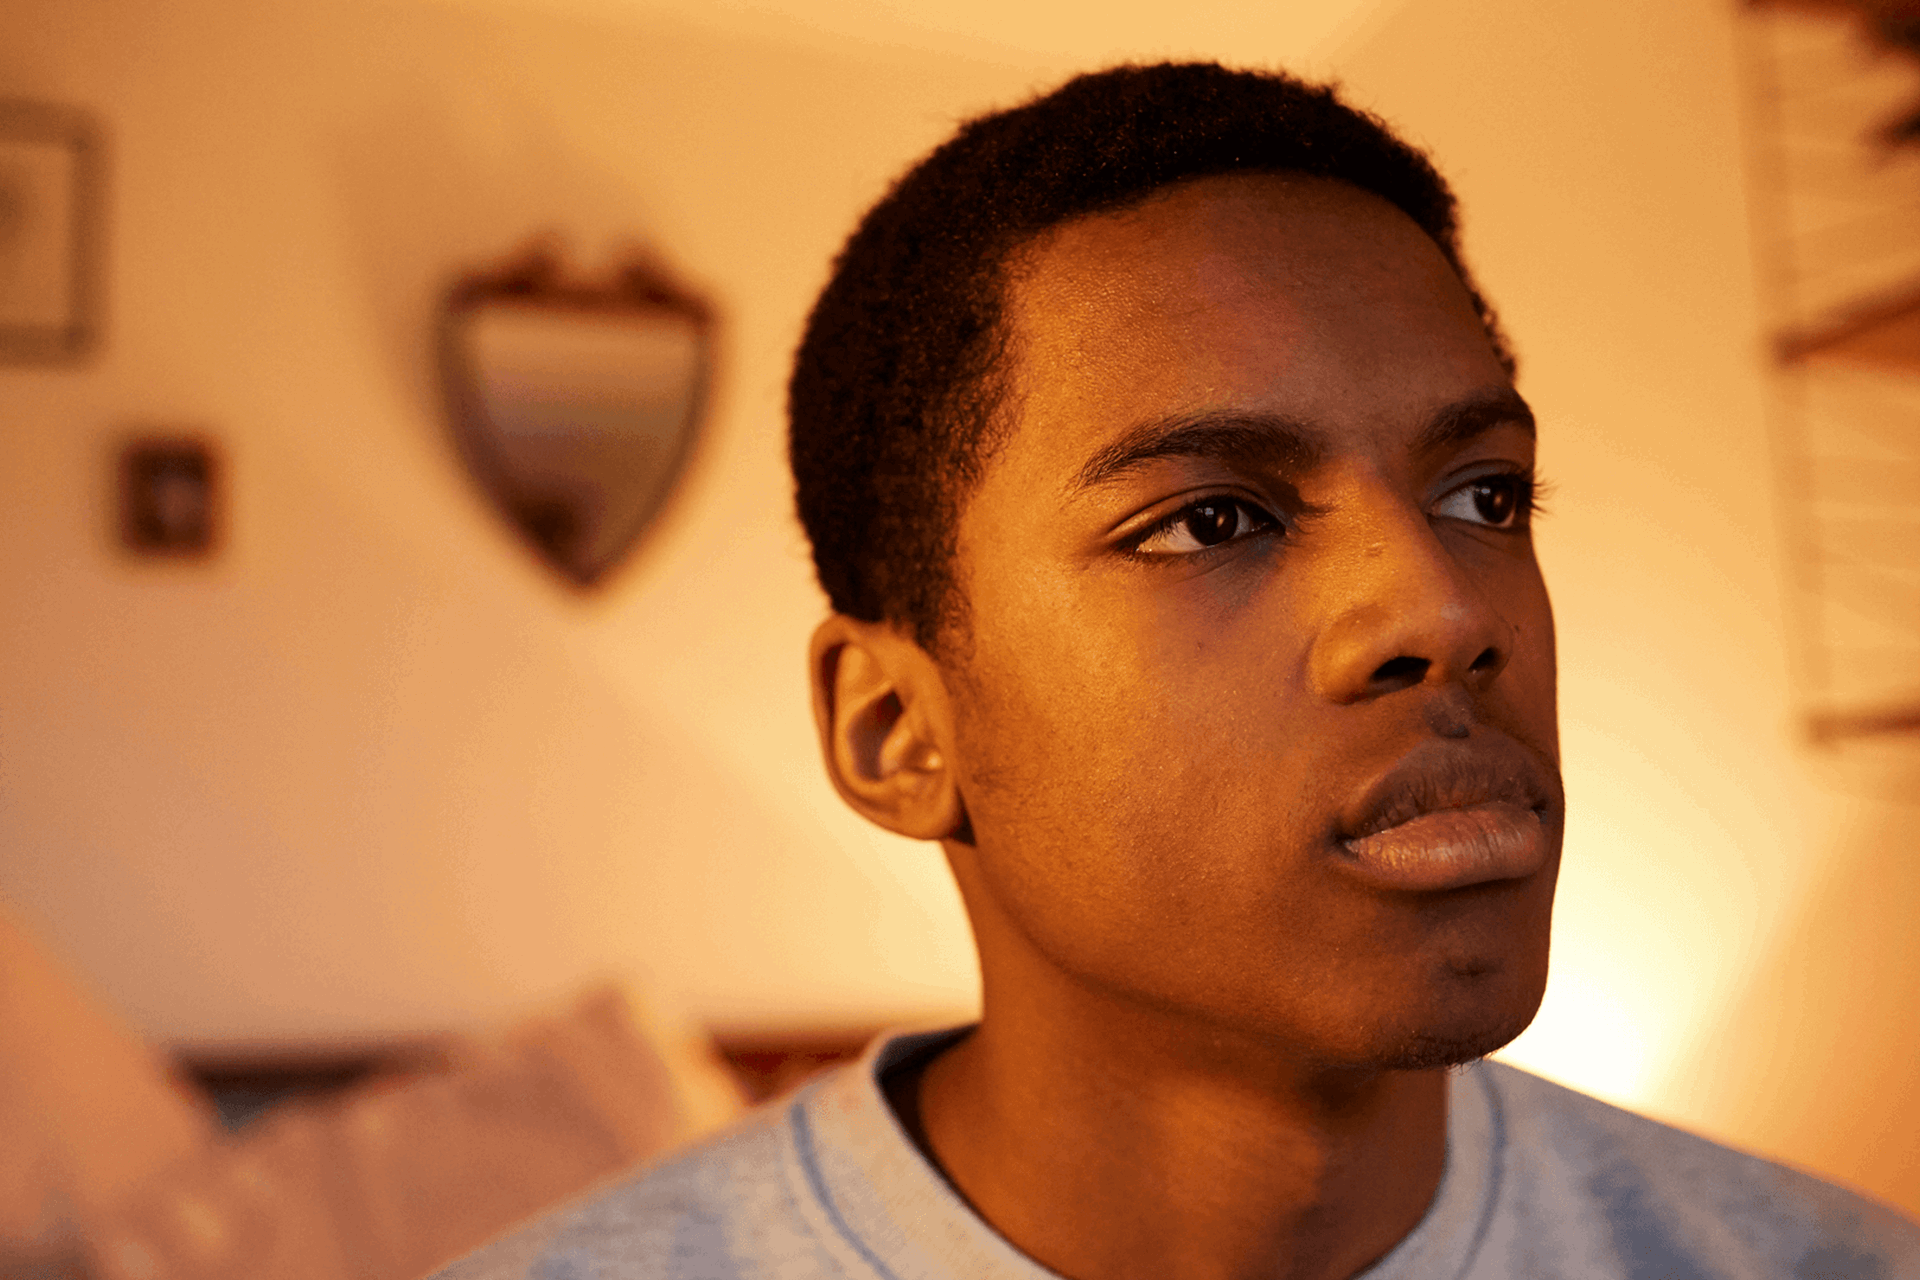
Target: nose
{"points": [[1405, 613]]}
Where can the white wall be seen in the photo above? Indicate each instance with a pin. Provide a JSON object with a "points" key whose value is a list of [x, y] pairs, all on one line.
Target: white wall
{"points": [[369, 772]]}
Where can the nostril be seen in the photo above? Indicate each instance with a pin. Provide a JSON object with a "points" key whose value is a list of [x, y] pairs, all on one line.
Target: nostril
{"points": [[1400, 673], [1489, 660]]}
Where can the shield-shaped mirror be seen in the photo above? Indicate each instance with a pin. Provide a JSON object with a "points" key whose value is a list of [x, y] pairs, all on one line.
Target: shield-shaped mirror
{"points": [[574, 403]]}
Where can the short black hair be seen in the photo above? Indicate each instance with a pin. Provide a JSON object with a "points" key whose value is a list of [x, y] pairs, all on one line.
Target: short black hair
{"points": [[894, 390]]}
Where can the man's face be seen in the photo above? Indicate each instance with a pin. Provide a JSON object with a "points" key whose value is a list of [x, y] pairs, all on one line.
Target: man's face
{"points": [[1254, 717]]}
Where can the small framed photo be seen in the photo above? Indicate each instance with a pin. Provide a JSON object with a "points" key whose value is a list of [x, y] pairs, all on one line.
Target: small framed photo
{"points": [[50, 180], [170, 497]]}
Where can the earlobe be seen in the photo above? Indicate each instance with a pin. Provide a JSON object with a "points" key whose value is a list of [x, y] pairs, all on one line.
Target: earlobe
{"points": [[880, 707]]}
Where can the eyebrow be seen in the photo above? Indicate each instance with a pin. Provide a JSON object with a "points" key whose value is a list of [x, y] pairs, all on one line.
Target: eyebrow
{"points": [[1282, 444], [1473, 416]]}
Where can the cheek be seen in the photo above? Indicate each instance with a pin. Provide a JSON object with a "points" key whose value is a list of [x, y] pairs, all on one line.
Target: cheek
{"points": [[1072, 708], [1531, 680], [1144, 767], [1063, 751]]}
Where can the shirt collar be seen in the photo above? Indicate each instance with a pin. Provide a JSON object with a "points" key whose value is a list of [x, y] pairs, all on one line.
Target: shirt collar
{"points": [[899, 1214]]}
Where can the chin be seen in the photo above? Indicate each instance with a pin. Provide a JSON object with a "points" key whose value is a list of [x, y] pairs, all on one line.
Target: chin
{"points": [[1464, 1035], [1428, 1053]]}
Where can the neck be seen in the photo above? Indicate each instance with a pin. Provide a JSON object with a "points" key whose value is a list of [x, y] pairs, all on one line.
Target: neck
{"points": [[1108, 1141]]}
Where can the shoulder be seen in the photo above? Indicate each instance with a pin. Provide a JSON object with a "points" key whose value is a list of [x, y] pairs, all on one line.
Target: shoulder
{"points": [[1648, 1199], [724, 1209]]}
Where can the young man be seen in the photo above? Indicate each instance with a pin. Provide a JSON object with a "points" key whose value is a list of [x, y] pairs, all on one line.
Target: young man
{"points": [[1166, 474]]}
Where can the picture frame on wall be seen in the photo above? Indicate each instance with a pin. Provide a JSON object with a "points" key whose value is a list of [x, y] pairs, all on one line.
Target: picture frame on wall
{"points": [[50, 180]]}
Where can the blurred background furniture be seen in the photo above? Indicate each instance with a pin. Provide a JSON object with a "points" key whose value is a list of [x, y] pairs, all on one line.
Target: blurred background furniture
{"points": [[114, 1163], [1834, 112]]}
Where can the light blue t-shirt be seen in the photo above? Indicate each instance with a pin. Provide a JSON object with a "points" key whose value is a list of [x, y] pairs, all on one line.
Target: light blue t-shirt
{"points": [[1540, 1182]]}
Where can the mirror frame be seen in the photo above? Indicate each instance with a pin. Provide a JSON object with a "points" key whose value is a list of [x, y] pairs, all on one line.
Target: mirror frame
{"points": [[536, 277]]}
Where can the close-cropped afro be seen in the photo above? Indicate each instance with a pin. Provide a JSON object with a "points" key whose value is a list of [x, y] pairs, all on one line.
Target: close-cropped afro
{"points": [[895, 385]]}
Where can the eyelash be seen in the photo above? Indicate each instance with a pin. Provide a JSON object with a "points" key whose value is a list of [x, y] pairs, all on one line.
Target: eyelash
{"points": [[1262, 520], [1526, 486], [1528, 490]]}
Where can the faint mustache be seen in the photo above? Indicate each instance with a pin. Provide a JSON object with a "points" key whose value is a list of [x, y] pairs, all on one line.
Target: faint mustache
{"points": [[1440, 775]]}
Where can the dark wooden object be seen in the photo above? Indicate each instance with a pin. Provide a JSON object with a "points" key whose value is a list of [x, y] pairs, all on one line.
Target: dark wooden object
{"points": [[769, 1065], [242, 1088]]}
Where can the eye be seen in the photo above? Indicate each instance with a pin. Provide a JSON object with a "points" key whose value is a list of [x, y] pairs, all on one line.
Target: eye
{"points": [[1199, 526], [1496, 501]]}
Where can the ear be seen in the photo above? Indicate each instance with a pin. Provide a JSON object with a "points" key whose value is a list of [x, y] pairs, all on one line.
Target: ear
{"points": [[880, 705]]}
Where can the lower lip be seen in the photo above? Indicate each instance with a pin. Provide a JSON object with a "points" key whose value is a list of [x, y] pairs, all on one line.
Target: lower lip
{"points": [[1452, 848]]}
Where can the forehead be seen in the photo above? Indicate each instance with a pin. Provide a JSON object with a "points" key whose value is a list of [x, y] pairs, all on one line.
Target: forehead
{"points": [[1302, 296]]}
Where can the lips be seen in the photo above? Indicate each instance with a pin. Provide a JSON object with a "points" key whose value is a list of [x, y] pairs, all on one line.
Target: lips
{"points": [[1449, 815]]}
